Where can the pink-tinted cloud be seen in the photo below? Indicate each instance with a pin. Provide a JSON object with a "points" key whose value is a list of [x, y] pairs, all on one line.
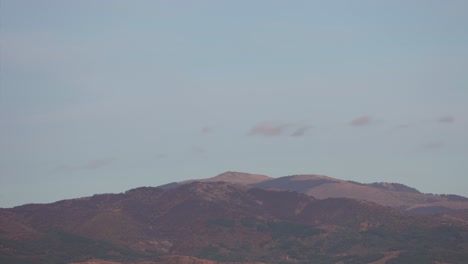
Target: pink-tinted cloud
{"points": [[268, 130], [362, 121], [446, 119], [299, 132]]}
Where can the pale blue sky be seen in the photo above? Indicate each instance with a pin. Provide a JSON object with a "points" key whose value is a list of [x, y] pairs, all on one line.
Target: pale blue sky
{"points": [[104, 96]]}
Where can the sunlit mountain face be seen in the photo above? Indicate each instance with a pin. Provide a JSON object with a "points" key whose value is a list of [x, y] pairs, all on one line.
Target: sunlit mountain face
{"points": [[211, 221]]}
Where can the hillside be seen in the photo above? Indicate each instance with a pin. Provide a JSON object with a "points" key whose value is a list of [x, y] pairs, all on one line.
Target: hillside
{"points": [[388, 194], [228, 176], [167, 260], [223, 222], [395, 195]]}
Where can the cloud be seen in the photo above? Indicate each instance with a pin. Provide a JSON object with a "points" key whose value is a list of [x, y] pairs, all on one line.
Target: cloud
{"points": [[268, 130], [445, 119], [403, 126], [97, 164], [433, 145], [198, 150], [362, 121], [206, 130], [161, 156], [299, 132], [90, 165]]}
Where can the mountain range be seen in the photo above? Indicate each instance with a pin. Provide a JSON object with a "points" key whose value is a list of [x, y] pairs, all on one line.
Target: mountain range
{"points": [[321, 187], [242, 218]]}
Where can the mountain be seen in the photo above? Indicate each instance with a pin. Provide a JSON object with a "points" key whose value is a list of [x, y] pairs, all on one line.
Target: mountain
{"points": [[228, 176], [167, 260], [237, 177], [395, 195], [388, 194], [223, 222]]}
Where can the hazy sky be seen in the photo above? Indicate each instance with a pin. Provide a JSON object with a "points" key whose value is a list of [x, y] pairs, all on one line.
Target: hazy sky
{"points": [[104, 96]]}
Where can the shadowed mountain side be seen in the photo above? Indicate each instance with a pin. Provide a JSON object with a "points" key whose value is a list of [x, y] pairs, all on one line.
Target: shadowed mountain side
{"points": [[388, 194], [167, 260], [222, 222], [188, 260], [457, 214], [303, 183], [14, 226], [321, 187]]}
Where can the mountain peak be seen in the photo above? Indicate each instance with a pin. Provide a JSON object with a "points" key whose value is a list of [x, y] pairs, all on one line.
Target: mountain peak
{"points": [[218, 220], [228, 176], [239, 177]]}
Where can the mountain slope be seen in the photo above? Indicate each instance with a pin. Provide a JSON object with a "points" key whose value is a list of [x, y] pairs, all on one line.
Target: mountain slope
{"points": [[167, 260], [237, 177], [388, 194], [228, 176], [223, 222]]}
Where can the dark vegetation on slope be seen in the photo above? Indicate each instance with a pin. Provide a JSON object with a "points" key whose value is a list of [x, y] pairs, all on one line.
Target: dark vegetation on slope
{"points": [[224, 222]]}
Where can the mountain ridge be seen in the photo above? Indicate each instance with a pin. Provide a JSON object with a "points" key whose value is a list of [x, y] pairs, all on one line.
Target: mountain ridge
{"points": [[223, 222], [396, 195]]}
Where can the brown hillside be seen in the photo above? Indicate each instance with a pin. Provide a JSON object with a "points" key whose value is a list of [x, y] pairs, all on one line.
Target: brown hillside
{"points": [[229, 176], [166, 260], [388, 194], [223, 222]]}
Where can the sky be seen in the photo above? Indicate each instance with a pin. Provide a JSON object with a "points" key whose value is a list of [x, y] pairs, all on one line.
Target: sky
{"points": [[105, 96]]}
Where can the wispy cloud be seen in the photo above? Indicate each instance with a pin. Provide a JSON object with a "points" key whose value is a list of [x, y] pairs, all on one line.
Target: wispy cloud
{"points": [[97, 164], [268, 130], [198, 150], [206, 130], [161, 156], [90, 165], [433, 145], [448, 119], [402, 126], [362, 121], [299, 132]]}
